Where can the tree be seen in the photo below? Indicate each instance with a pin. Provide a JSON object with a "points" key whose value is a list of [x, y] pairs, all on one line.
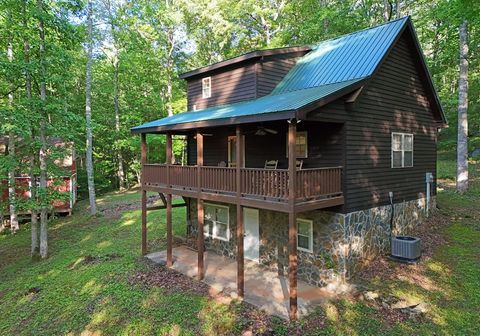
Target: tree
{"points": [[35, 229], [462, 146], [43, 137], [14, 227], [88, 111], [113, 54]]}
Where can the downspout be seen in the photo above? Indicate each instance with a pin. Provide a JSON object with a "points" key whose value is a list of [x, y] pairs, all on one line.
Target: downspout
{"points": [[428, 180], [392, 212]]}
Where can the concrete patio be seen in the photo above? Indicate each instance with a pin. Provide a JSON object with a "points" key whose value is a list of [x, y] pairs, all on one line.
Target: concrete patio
{"points": [[264, 288]]}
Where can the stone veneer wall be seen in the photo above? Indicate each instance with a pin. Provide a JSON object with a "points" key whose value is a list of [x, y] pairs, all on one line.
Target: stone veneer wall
{"points": [[341, 242]]}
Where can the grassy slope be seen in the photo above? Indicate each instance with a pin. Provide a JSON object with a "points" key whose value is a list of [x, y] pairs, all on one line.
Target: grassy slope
{"points": [[97, 297]]}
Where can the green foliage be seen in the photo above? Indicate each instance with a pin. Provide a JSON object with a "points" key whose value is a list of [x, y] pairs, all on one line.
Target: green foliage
{"points": [[77, 296], [151, 42]]}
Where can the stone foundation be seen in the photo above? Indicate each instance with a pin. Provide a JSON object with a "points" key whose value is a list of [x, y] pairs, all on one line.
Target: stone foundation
{"points": [[341, 242]]}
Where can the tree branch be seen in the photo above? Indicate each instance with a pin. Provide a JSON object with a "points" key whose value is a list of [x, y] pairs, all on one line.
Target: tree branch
{"points": [[11, 91]]}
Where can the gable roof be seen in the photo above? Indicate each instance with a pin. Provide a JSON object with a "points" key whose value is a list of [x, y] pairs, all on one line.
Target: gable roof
{"points": [[331, 70], [344, 58], [245, 57]]}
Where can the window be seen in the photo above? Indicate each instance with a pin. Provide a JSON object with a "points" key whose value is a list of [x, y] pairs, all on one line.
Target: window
{"points": [[301, 145], [402, 150], [305, 235], [217, 222], [206, 87]]}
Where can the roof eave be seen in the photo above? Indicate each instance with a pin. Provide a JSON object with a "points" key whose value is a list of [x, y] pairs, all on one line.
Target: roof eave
{"points": [[256, 118], [243, 58]]}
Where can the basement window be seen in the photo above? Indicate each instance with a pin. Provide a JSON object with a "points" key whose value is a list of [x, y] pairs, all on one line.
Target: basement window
{"points": [[402, 150], [217, 222], [305, 235], [206, 87]]}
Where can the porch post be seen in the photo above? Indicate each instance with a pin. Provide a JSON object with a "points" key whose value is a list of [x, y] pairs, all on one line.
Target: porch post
{"points": [[240, 227], [169, 200], [200, 209], [143, 160], [292, 225]]}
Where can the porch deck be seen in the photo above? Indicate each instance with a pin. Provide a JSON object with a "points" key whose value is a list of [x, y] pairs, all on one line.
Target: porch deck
{"points": [[263, 288], [267, 188]]}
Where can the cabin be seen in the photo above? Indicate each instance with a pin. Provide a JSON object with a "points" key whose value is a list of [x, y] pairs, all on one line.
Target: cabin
{"points": [[65, 182], [303, 159]]}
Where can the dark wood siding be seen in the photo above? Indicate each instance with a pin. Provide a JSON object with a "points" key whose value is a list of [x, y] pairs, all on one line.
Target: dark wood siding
{"points": [[324, 145], [240, 82], [229, 85], [271, 71], [394, 101]]}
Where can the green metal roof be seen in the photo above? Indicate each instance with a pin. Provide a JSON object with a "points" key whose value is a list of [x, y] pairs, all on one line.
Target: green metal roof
{"points": [[283, 102], [332, 67], [344, 58]]}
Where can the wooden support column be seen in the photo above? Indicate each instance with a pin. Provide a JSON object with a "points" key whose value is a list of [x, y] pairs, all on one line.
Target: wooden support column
{"points": [[143, 160], [169, 201], [200, 208], [240, 226], [292, 220]]}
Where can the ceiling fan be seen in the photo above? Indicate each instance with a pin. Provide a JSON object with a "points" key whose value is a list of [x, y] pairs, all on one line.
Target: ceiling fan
{"points": [[264, 131]]}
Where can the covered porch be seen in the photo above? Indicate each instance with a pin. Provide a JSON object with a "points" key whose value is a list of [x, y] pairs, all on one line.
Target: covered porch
{"points": [[287, 187], [209, 166], [264, 288]]}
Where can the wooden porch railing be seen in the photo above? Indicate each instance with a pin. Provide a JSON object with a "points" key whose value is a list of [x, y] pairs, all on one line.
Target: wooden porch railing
{"points": [[255, 182], [264, 182], [315, 182]]}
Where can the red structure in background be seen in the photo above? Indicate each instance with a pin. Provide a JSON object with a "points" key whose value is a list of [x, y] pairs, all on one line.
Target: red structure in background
{"points": [[65, 184]]}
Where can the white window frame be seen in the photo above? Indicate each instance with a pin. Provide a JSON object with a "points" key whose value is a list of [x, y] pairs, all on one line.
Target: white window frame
{"points": [[214, 222], [310, 238], [206, 89], [402, 149], [305, 154]]}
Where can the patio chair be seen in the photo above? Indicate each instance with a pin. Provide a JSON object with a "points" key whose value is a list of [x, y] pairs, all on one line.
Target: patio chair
{"points": [[299, 164], [271, 164]]}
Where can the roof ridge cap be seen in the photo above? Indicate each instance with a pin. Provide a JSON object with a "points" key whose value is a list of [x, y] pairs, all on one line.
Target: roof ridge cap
{"points": [[405, 18]]}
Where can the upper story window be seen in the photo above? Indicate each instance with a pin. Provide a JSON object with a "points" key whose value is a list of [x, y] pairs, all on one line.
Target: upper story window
{"points": [[301, 145], [402, 150], [217, 221], [206, 87]]}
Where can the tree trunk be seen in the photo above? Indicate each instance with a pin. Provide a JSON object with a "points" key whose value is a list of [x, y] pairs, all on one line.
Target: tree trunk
{"points": [[398, 10], [12, 197], [462, 145], [387, 10], [88, 113], [11, 152], [111, 10], [120, 171], [43, 140], [170, 64], [35, 247]]}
